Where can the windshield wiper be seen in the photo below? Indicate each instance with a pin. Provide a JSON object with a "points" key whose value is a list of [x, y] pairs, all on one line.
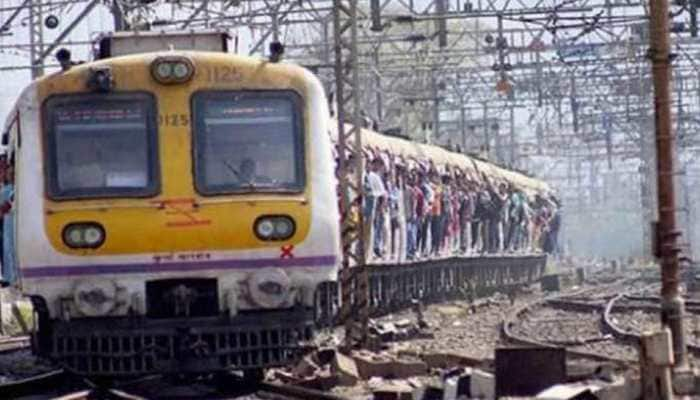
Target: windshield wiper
{"points": [[251, 185]]}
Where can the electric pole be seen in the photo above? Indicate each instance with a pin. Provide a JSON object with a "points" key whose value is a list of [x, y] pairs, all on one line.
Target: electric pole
{"points": [[354, 310], [667, 248]]}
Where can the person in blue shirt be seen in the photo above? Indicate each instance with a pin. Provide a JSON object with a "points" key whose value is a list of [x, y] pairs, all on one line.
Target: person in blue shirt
{"points": [[7, 193]]}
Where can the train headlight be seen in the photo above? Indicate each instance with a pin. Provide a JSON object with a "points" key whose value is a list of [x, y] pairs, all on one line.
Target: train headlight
{"points": [[73, 237], [265, 228], [269, 288], [284, 227], [84, 235], [93, 235], [94, 298], [164, 71], [181, 70], [274, 227], [172, 69]]}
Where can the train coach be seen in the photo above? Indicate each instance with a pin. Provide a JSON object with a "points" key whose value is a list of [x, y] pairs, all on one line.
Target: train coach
{"points": [[376, 144], [525, 206], [173, 211]]}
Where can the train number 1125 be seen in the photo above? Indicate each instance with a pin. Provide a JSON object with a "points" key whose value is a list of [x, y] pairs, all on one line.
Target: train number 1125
{"points": [[222, 74], [173, 120]]}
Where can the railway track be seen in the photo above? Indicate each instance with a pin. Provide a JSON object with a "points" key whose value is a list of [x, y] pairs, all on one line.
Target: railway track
{"points": [[12, 344], [613, 319], [60, 384], [574, 321], [642, 313]]}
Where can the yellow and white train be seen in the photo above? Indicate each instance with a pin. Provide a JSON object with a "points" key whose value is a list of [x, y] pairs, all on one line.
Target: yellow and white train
{"points": [[173, 210], [176, 211]]}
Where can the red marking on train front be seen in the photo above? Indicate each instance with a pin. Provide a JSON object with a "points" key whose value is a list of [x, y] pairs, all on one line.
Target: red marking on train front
{"points": [[287, 251], [176, 224], [184, 209]]}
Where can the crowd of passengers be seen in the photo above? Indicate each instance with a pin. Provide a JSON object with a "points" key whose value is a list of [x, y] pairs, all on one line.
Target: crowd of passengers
{"points": [[415, 211]]}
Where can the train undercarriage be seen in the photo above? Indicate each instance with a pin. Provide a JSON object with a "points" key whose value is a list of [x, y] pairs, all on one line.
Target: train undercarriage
{"points": [[253, 341]]}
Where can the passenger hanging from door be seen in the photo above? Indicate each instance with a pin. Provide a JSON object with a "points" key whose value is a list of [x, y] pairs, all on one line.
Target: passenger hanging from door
{"points": [[7, 194]]}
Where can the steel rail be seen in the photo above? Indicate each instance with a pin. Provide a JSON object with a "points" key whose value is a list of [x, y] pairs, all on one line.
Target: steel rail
{"points": [[101, 394], [511, 319], [575, 305], [630, 336], [30, 386], [13, 344], [656, 299], [297, 392], [512, 337], [59, 378]]}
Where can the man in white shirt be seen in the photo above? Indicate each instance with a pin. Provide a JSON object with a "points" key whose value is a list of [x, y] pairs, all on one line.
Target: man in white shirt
{"points": [[374, 215], [376, 185]]}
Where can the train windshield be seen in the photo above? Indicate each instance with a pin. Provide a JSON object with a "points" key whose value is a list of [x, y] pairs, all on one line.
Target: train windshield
{"points": [[101, 146], [248, 141]]}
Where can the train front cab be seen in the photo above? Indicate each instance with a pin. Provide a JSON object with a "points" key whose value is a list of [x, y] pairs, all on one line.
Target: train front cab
{"points": [[184, 225]]}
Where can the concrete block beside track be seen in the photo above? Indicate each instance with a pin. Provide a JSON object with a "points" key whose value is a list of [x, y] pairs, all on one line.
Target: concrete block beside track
{"points": [[372, 365], [346, 369]]}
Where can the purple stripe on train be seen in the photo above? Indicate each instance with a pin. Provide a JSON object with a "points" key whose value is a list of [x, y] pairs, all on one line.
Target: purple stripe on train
{"points": [[48, 271]]}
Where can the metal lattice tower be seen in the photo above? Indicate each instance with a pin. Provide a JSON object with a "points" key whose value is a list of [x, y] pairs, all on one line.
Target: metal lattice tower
{"points": [[353, 276], [36, 37]]}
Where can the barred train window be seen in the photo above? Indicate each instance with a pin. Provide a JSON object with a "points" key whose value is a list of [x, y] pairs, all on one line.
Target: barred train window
{"points": [[248, 141], [101, 146]]}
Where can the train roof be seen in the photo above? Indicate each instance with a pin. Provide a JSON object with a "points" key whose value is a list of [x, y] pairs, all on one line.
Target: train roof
{"points": [[442, 159]]}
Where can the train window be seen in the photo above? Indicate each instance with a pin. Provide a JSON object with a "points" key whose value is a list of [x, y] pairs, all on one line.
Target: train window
{"points": [[248, 141], [101, 146]]}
